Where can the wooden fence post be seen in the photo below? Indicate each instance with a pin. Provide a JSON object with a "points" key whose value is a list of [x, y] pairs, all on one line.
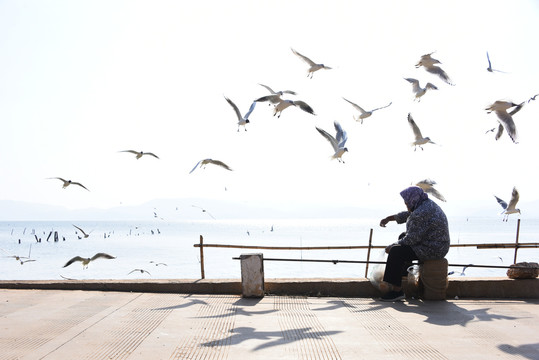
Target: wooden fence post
{"points": [[368, 255], [516, 242], [201, 257]]}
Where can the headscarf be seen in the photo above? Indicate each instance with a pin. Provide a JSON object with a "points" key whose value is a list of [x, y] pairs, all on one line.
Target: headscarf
{"points": [[413, 196]]}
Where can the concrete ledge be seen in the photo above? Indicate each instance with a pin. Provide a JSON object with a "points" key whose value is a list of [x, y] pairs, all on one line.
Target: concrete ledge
{"points": [[494, 288]]}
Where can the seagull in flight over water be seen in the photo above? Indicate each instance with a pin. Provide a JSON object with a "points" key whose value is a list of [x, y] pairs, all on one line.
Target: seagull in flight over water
{"points": [[419, 139], [82, 231], [312, 65], [140, 154], [242, 121], [418, 90], [428, 186], [86, 261], [142, 271], [364, 114], [429, 64], [337, 142], [504, 118], [490, 69], [69, 182], [510, 208], [204, 162]]}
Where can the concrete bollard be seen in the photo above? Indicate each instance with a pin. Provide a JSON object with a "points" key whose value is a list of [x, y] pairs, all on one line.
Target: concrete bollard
{"points": [[252, 275]]}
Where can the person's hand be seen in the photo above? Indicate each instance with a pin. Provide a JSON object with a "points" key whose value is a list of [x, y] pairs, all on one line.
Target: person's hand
{"points": [[384, 222]]}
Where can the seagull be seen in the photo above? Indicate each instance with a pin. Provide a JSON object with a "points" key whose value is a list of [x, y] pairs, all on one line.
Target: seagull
{"points": [[204, 162], [511, 208], [419, 139], [242, 121], [490, 69], [19, 258], [86, 261], [505, 119], [313, 66], [69, 182], [204, 211], [140, 154], [430, 65], [418, 90], [283, 104], [157, 263], [279, 93], [338, 142], [533, 97], [82, 231], [142, 271], [364, 114], [428, 186]]}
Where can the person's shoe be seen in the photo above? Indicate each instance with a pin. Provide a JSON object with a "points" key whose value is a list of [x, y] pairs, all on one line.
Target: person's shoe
{"points": [[393, 296]]}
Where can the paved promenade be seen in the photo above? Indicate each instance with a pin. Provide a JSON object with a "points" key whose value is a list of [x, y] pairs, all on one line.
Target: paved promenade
{"points": [[74, 324]]}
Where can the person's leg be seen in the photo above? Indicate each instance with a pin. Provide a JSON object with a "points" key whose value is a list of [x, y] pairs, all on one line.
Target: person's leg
{"points": [[398, 260]]}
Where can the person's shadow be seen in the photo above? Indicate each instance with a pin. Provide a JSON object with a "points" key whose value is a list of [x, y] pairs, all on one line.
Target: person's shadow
{"points": [[529, 351]]}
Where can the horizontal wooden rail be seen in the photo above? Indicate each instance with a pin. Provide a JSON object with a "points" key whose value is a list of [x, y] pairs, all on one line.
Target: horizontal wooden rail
{"points": [[289, 247]]}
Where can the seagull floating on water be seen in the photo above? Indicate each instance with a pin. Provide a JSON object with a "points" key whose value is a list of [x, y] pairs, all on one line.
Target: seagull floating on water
{"points": [[312, 65], [429, 64], [140, 154], [504, 118], [337, 142], [428, 186], [364, 114], [242, 120], [510, 208], [419, 139], [418, 90], [69, 182], [204, 162], [86, 261]]}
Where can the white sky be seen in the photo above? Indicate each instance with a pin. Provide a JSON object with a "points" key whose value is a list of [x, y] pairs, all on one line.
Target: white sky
{"points": [[82, 80]]}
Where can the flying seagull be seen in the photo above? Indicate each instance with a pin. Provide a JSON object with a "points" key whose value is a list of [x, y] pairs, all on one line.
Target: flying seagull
{"points": [[490, 69], [86, 261], [419, 139], [142, 271], [364, 114], [275, 96], [204, 211], [281, 92], [533, 97], [283, 104], [82, 231], [428, 186], [69, 182], [430, 65], [242, 121], [511, 208], [337, 142], [140, 154], [418, 90], [204, 162], [504, 118], [312, 65]]}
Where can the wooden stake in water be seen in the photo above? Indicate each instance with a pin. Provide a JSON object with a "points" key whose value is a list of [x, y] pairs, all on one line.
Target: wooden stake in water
{"points": [[516, 242], [368, 255], [201, 257]]}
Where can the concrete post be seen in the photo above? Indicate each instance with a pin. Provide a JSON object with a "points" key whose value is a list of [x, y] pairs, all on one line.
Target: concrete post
{"points": [[252, 275]]}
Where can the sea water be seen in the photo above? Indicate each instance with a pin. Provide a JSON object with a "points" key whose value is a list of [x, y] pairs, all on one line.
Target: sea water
{"points": [[165, 250]]}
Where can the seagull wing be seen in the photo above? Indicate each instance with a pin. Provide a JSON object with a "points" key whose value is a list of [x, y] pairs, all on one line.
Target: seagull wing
{"points": [[431, 86], [356, 106], [507, 121], [220, 163], [250, 110], [268, 88], [102, 255], [501, 202], [152, 154], [79, 184], [329, 138], [500, 132], [234, 107], [76, 258], [436, 194], [517, 108], [274, 99], [305, 58], [383, 107], [131, 151], [440, 72], [514, 199], [304, 106], [341, 137], [415, 128], [195, 166], [488, 59]]}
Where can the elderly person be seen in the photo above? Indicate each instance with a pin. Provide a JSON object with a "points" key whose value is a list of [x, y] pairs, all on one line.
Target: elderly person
{"points": [[426, 238]]}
